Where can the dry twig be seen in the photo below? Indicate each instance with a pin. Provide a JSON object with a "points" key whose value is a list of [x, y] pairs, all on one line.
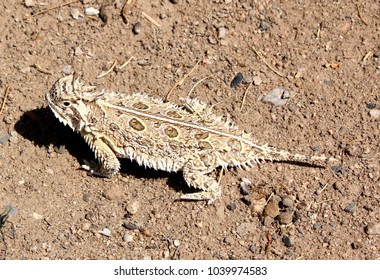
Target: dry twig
{"points": [[129, 4], [7, 90], [196, 84], [55, 7], [108, 71], [266, 63], [126, 63], [180, 82], [360, 14], [42, 70], [245, 95], [149, 18], [367, 55]]}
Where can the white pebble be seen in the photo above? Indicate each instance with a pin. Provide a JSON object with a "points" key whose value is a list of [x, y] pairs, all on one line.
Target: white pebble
{"points": [[29, 3], [86, 226], [75, 13], [91, 11], [277, 97], [373, 228], [257, 80], [245, 183], [37, 216], [128, 238], [67, 69], [105, 232], [133, 207], [374, 113]]}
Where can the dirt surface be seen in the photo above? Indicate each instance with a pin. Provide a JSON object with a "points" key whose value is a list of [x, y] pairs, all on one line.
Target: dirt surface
{"points": [[326, 54]]}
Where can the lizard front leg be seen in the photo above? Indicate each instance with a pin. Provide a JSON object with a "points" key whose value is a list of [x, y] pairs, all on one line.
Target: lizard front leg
{"points": [[109, 165]]}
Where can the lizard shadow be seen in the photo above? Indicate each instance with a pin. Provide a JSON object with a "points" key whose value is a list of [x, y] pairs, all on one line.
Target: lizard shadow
{"points": [[41, 127]]}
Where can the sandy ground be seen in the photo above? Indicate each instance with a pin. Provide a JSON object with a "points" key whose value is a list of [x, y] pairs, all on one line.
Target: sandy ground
{"points": [[325, 53]]}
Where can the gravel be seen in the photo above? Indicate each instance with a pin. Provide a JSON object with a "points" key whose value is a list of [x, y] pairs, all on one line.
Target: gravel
{"points": [[136, 28], [372, 228], [237, 80], [277, 97], [133, 207], [105, 231], [91, 11], [285, 218], [287, 241], [231, 206], [288, 201], [350, 208], [271, 209]]}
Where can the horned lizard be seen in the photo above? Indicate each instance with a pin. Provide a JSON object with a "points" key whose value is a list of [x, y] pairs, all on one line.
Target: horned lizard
{"points": [[160, 135]]}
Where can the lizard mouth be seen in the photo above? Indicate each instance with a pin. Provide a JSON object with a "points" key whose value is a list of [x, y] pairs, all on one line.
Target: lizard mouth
{"points": [[57, 111]]}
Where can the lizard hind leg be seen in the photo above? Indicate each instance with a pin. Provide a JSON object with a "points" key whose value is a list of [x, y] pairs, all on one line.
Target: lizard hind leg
{"points": [[210, 188]]}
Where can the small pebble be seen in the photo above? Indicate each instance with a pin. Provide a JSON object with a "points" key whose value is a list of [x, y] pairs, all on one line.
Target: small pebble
{"points": [[78, 51], [268, 221], [127, 237], [103, 13], [4, 138], [247, 80], [113, 193], [253, 248], [231, 206], [25, 70], [174, 1], [86, 226], [257, 80], [277, 97], [91, 11], [86, 197], [287, 201], [67, 69], [244, 184], [90, 216], [257, 205], [176, 243], [317, 226], [211, 40], [37, 216], [371, 105], [136, 28], [287, 241], [339, 169], [316, 148], [237, 80], [130, 226], [350, 208], [29, 3], [285, 218], [264, 26], [105, 232], [75, 13], [374, 113], [133, 207], [271, 209], [373, 228], [221, 32]]}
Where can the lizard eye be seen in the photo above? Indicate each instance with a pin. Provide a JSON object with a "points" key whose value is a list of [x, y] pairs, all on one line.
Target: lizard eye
{"points": [[66, 103]]}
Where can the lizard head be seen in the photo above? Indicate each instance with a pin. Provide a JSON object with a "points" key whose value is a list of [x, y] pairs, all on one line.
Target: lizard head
{"points": [[67, 99]]}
